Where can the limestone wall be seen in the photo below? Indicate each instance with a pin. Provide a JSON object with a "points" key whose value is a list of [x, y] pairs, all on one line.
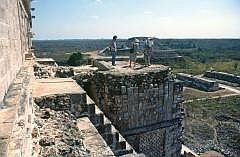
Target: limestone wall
{"points": [[145, 107], [14, 40]]}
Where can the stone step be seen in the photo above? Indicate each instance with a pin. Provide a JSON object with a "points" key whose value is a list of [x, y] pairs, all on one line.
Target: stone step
{"points": [[91, 109], [108, 137], [109, 133], [116, 139], [106, 128], [121, 152], [122, 145], [98, 119]]}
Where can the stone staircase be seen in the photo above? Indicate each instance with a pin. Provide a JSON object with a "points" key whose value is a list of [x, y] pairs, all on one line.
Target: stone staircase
{"points": [[110, 134], [75, 100]]}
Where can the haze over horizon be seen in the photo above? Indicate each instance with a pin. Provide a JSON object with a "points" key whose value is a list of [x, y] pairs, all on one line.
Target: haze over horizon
{"points": [[97, 19]]}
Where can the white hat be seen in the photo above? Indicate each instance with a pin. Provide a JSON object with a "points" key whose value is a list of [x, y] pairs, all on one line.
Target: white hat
{"points": [[136, 40]]}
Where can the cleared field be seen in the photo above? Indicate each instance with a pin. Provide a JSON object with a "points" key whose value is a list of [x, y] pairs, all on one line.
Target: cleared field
{"points": [[192, 94], [213, 124]]}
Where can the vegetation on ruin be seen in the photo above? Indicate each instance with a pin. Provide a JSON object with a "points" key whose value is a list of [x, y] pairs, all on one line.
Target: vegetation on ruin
{"points": [[75, 59]]}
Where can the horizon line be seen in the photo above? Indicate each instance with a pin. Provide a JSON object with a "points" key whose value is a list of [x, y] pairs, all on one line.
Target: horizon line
{"points": [[202, 38]]}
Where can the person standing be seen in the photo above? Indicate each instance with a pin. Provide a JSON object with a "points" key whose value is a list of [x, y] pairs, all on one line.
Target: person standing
{"points": [[148, 51], [113, 49], [133, 53]]}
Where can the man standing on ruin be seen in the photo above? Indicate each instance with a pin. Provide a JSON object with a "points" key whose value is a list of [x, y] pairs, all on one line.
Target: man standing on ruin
{"points": [[148, 51], [113, 49], [133, 53]]}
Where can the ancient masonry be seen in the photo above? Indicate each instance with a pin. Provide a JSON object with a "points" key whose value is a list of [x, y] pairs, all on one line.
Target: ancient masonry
{"points": [[198, 82], [223, 76], [144, 104], [15, 42], [136, 111]]}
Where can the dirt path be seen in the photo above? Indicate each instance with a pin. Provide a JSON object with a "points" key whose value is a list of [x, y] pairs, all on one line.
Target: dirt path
{"points": [[230, 88]]}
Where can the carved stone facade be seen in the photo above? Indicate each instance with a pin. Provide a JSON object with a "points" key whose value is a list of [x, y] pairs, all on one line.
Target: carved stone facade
{"points": [[145, 106], [15, 25]]}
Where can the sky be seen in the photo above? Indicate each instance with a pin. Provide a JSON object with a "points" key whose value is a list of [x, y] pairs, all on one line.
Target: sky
{"points": [[97, 19]]}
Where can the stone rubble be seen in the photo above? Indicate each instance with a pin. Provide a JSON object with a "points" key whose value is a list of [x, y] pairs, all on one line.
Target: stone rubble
{"points": [[43, 71], [64, 72], [56, 134]]}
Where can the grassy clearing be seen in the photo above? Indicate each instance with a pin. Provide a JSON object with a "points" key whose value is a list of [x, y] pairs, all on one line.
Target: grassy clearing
{"points": [[191, 66], [226, 105], [192, 94]]}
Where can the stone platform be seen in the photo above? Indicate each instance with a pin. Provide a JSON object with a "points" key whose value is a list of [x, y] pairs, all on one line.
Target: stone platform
{"points": [[122, 68], [45, 87], [46, 61]]}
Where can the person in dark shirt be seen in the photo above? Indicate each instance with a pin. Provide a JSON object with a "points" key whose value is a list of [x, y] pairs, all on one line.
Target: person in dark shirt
{"points": [[113, 49]]}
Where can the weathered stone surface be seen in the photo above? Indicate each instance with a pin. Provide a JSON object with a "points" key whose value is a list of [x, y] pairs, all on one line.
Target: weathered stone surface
{"points": [[44, 71], [92, 140], [64, 72], [141, 103], [58, 135], [46, 61], [44, 87], [14, 42], [198, 82], [15, 115], [223, 76]]}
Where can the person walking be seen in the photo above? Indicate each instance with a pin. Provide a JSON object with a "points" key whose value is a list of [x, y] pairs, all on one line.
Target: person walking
{"points": [[113, 49], [148, 51], [133, 53]]}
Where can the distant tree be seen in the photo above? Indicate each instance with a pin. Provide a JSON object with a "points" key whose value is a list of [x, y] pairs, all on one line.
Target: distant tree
{"points": [[235, 66], [75, 59]]}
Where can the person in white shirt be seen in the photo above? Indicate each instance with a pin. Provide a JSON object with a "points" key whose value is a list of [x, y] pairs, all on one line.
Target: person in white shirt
{"points": [[148, 51], [133, 53]]}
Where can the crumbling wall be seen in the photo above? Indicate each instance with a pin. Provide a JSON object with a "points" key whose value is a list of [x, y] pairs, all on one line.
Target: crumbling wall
{"points": [[223, 76], [14, 41], [145, 107], [198, 82]]}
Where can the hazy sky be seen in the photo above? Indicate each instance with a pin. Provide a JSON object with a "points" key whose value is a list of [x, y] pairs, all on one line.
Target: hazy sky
{"points": [[68, 19]]}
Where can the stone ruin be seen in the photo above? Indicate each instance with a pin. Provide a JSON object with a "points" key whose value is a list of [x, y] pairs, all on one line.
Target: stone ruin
{"points": [[43, 112], [133, 113], [198, 82], [144, 104], [223, 76]]}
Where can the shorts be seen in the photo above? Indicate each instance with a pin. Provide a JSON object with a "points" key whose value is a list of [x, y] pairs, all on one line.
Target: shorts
{"points": [[132, 57]]}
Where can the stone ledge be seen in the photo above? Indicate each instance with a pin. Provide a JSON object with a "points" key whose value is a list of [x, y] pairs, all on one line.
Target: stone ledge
{"points": [[122, 69], [92, 139], [14, 117], [56, 86], [160, 125]]}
